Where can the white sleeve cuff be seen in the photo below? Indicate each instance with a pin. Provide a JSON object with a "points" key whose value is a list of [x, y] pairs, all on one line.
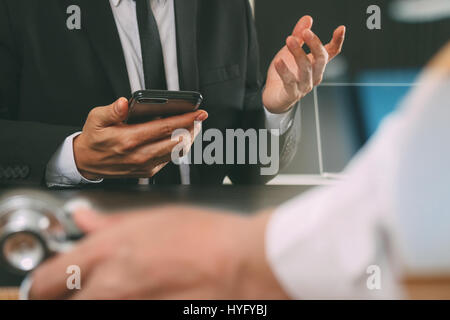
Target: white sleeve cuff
{"points": [[62, 170], [281, 121]]}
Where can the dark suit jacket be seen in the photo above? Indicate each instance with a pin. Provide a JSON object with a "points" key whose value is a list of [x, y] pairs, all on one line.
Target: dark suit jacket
{"points": [[51, 77]]}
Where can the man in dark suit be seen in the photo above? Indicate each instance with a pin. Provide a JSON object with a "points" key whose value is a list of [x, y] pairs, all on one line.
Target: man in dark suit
{"points": [[53, 76]]}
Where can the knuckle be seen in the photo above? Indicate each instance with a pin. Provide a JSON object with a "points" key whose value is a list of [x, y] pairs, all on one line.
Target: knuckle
{"points": [[308, 66], [318, 80], [167, 128], [290, 79], [128, 144], [93, 114], [118, 150], [308, 86], [322, 59], [95, 139], [138, 159]]}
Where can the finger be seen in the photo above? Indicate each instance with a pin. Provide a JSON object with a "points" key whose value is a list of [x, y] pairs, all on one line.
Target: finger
{"points": [[154, 153], [101, 284], [334, 47], [158, 163], [286, 75], [157, 129], [89, 220], [162, 151], [49, 280], [176, 153], [144, 162], [158, 168], [111, 280], [301, 59], [96, 291], [305, 22], [196, 130], [185, 140], [319, 54], [187, 137], [109, 115]]}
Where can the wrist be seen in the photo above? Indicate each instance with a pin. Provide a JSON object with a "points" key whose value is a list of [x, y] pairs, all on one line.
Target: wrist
{"points": [[254, 276], [79, 153], [276, 105], [281, 109]]}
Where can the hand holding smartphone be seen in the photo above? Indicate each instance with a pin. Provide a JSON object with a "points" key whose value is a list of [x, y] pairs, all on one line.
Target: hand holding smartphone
{"points": [[147, 105], [106, 148]]}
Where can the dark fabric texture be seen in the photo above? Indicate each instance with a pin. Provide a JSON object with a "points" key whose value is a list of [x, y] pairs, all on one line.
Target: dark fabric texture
{"points": [[51, 77]]}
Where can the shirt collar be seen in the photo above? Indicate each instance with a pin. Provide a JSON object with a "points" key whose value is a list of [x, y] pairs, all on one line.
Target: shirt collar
{"points": [[116, 2]]}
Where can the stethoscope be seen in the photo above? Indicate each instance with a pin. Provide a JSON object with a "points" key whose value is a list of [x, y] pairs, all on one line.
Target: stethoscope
{"points": [[33, 227]]}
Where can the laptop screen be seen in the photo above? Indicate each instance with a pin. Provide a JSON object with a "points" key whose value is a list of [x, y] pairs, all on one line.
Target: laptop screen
{"points": [[379, 93]]}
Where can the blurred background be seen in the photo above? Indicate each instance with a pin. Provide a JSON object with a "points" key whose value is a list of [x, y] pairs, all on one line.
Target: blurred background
{"points": [[374, 72]]}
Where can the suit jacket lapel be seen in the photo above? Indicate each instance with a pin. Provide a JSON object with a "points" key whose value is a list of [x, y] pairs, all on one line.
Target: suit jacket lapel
{"points": [[186, 26], [98, 22]]}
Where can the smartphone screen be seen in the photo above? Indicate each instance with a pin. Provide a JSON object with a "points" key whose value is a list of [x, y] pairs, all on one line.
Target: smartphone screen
{"points": [[148, 105]]}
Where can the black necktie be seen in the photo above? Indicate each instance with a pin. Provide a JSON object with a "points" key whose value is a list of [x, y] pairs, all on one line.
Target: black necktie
{"points": [[154, 73], [152, 55]]}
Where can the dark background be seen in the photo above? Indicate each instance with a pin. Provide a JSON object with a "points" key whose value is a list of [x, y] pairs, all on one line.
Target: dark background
{"points": [[398, 47]]}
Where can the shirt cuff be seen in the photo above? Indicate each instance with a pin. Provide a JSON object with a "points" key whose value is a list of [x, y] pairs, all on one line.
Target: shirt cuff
{"points": [[280, 121], [62, 170]]}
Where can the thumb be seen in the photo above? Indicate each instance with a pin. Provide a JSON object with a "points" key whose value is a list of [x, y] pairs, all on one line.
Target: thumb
{"points": [[113, 114], [89, 221]]}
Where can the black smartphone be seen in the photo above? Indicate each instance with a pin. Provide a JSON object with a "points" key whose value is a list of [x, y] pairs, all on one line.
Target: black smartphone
{"points": [[147, 105]]}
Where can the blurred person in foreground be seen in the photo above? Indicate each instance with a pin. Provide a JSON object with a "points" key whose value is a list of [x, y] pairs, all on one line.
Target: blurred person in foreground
{"points": [[392, 211]]}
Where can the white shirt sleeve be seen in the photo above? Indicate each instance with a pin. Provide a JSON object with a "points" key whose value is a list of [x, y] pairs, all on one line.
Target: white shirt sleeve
{"points": [[62, 170], [329, 242], [321, 245], [282, 121]]}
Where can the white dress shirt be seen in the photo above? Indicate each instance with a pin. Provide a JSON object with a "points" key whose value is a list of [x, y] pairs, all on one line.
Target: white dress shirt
{"points": [[61, 169], [394, 203]]}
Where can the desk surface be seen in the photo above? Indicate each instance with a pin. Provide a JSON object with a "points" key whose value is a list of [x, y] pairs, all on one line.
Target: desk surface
{"points": [[245, 199], [237, 198]]}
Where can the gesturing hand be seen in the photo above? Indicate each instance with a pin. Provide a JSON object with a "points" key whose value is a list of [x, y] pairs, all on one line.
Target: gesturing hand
{"points": [[108, 147], [293, 73]]}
